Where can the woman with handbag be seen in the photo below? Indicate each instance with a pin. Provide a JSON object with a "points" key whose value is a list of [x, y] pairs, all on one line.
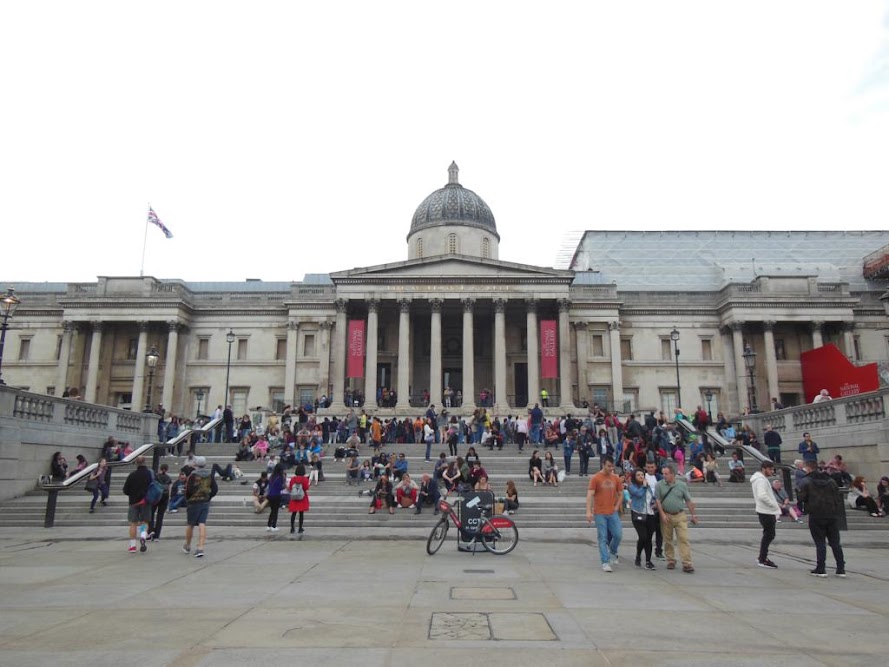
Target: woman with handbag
{"points": [[298, 504], [96, 483], [645, 518]]}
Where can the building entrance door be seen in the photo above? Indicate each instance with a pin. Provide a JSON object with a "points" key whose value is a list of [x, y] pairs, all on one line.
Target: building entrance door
{"points": [[453, 378], [521, 384]]}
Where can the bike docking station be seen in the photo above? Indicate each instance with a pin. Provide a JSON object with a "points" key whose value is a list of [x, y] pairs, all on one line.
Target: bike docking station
{"points": [[475, 508]]}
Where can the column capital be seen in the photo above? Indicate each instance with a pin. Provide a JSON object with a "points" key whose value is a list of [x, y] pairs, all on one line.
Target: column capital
{"points": [[404, 305], [736, 325], [531, 305], [341, 305], [564, 305], [373, 305], [848, 326], [499, 305], [468, 305], [614, 326], [768, 325], [143, 326], [816, 325], [292, 325], [580, 325], [173, 326], [325, 325], [68, 326], [436, 305], [97, 325]]}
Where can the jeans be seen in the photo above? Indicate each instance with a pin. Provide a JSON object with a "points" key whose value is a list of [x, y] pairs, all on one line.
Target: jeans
{"points": [[609, 532], [536, 430], [567, 458], [767, 521], [826, 528], [428, 448], [177, 501], [103, 489], [584, 463]]}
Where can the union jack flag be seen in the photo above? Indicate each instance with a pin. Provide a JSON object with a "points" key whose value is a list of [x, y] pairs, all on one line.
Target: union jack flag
{"points": [[154, 220]]}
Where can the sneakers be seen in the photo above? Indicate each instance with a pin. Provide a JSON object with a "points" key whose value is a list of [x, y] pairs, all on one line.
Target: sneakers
{"points": [[173, 511], [199, 553], [300, 531], [818, 573], [671, 565], [767, 563], [142, 547], [841, 574], [638, 562], [688, 569], [650, 566], [660, 555], [132, 549], [186, 548], [606, 567], [614, 559], [268, 529], [274, 529]]}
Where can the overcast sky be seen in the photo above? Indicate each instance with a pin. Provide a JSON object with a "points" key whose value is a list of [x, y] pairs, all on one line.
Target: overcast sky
{"points": [[276, 139]]}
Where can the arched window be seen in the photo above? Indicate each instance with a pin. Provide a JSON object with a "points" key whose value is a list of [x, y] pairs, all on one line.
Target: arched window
{"points": [[452, 244], [419, 247], [486, 247]]}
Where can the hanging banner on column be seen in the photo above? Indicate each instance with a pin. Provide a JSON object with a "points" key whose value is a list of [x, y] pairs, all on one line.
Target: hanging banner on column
{"points": [[355, 350], [549, 349]]}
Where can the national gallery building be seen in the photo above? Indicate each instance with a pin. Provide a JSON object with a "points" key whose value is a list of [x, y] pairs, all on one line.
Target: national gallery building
{"points": [[631, 320]]}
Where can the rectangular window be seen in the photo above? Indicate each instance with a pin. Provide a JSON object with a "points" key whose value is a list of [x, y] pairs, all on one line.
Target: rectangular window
{"points": [[132, 348], [666, 349], [242, 349], [51, 390], [59, 348], [601, 395], [598, 345], [668, 401], [631, 401], [24, 349], [309, 346], [856, 343], [281, 349], [706, 349], [780, 353], [203, 348], [626, 349], [276, 399], [239, 400], [306, 395]]}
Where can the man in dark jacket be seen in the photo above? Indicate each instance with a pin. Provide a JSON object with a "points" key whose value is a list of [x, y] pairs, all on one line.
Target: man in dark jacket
{"points": [[821, 498], [228, 423], [139, 511], [428, 493]]}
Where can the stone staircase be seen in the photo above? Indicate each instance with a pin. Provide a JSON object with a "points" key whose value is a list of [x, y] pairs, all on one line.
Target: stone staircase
{"points": [[335, 504]]}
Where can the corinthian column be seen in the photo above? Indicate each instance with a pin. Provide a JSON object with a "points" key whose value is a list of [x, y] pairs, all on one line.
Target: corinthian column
{"points": [[533, 353], [64, 357], [500, 354], [617, 374], [339, 355], [92, 372], [565, 399], [740, 368], [404, 354], [768, 330], [171, 364], [468, 356], [137, 401], [290, 362], [370, 370], [435, 381]]}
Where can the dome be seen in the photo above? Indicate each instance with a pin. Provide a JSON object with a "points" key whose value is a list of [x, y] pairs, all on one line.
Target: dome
{"points": [[454, 204]]}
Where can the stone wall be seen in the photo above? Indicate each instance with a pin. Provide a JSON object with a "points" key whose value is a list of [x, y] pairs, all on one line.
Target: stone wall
{"points": [[34, 426], [855, 427]]}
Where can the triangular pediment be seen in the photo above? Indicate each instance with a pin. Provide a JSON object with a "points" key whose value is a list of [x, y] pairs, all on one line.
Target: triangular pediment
{"points": [[450, 267]]}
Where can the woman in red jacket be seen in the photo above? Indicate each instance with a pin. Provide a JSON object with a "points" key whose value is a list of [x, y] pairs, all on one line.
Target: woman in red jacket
{"points": [[300, 505]]}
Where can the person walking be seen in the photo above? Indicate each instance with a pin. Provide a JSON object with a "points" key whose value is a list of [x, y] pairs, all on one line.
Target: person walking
{"points": [[652, 477], [772, 441], [645, 520], [767, 509], [672, 500], [298, 505], [603, 500], [200, 487], [135, 487], [156, 520], [821, 498], [273, 494], [97, 481], [568, 450]]}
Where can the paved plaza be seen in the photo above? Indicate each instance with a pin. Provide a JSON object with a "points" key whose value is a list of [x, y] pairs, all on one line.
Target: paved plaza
{"points": [[75, 596]]}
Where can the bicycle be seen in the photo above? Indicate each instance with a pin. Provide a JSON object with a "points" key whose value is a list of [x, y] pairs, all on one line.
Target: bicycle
{"points": [[498, 534]]}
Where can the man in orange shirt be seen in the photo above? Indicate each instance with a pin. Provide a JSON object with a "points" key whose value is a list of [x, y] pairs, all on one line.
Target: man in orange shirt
{"points": [[376, 433], [603, 501]]}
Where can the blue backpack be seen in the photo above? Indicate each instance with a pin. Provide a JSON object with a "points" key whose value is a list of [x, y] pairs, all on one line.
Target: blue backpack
{"points": [[155, 491]]}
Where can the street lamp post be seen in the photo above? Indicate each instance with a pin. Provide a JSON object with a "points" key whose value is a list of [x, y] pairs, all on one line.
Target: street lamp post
{"points": [[8, 304], [674, 336], [151, 359], [229, 338], [200, 397], [750, 362], [708, 395]]}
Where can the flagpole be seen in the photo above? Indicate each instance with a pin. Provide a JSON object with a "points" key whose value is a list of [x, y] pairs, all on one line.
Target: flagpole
{"points": [[144, 243]]}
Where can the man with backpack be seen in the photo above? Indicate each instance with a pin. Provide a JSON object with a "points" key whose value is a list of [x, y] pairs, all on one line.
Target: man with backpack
{"points": [[139, 509], [200, 487], [821, 498]]}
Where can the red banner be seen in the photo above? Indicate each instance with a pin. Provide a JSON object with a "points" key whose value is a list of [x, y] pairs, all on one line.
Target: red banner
{"points": [[355, 351], [827, 368], [549, 349]]}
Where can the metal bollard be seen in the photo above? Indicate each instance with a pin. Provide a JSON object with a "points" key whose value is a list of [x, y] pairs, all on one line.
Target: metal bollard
{"points": [[49, 519]]}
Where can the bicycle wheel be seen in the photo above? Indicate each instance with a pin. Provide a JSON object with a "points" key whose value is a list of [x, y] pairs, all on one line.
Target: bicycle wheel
{"points": [[499, 535], [437, 537]]}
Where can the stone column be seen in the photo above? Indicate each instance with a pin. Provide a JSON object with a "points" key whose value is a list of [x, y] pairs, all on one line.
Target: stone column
{"points": [[565, 398], [372, 342], [501, 402], [435, 380], [404, 354], [533, 353], [92, 372], [64, 357], [324, 356], [138, 400], [290, 354], [849, 340], [583, 343], [740, 368], [817, 340], [468, 356], [768, 330], [728, 363], [339, 356], [617, 372], [170, 365]]}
